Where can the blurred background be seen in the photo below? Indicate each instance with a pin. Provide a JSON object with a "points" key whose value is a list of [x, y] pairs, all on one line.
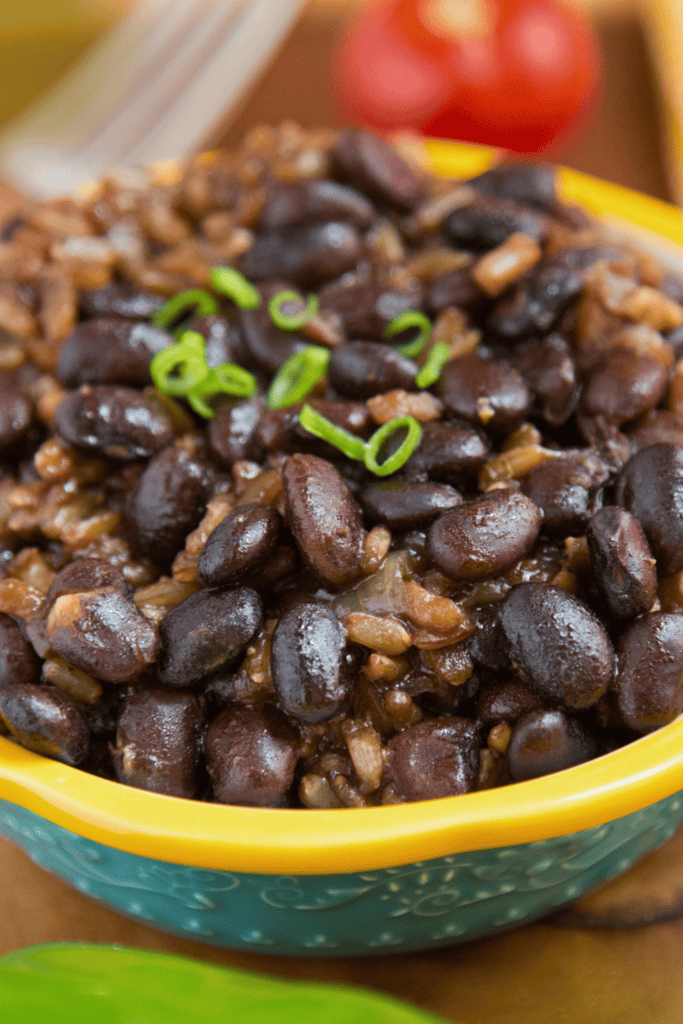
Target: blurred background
{"points": [[613, 114]]}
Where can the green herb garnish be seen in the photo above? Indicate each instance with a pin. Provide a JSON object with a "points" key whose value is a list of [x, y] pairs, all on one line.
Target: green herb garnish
{"points": [[366, 451], [297, 376], [195, 302], [438, 356], [411, 318], [181, 370], [228, 281], [292, 322]]}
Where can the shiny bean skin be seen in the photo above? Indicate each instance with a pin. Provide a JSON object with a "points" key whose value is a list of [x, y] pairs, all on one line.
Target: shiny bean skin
{"points": [[298, 202], [377, 170], [487, 646], [567, 492], [532, 183], [362, 369], [112, 421], [308, 664], [307, 255], [18, 660], [251, 755], [280, 431], [120, 300], [167, 503], [484, 538], [547, 741], [266, 344], [223, 341], [45, 720], [649, 683], [650, 487], [434, 759], [110, 350], [366, 308], [239, 544], [623, 566], [455, 288], [403, 505], [556, 644], [450, 452], [487, 393], [506, 702], [488, 222], [16, 413], [549, 370], [324, 518], [232, 432], [206, 633], [158, 742], [625, 387]]}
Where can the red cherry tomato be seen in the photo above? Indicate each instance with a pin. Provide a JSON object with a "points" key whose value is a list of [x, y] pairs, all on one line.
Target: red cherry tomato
{"points": [[509, 73]]}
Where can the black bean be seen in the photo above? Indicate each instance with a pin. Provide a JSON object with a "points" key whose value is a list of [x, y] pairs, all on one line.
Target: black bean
{"points": [[251, 755], [487, 393], [239, 544], [506, 702], [232, 431], [649, 683], [296, 202], [101, 631], [558, 647], [434, 759], [451, 452], [158, 742], [623, 566], [611, 445], [650, 486], [487, 646], [308, 666], [487, 223], [223, 340], [206, 633], [403, 505], [266, 344], [110, 351], [377, 170], [42, 719], [86, 574], [361, 369], [307, 255], [545, 741], [624, 387], [167, 503], [566, 489], [455, 288], [483, 539], [112, 421], [16, 412], [531, 183], [549, 370], [367, 308], [279, 430], [18, 661], [324, 518], [656, 426], [120, 299]]}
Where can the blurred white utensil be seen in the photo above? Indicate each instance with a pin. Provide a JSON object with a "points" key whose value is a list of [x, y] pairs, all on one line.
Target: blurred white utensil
{"points": [[151, 89]]}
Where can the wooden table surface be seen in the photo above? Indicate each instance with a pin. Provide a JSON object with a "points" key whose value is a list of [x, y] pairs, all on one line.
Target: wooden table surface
{"points": [[597, 963]]}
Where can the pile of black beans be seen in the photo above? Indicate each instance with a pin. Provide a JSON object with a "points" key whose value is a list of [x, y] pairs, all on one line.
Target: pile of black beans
{"points": [[230, 609]]}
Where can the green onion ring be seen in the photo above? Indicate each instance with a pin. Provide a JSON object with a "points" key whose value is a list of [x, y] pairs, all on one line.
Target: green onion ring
{"points": [[296, 320], [188, 361], [320, 426], [224, 379], [402, 454], [297, 376], [438, 356], [411, 318], [228, 281], [195, 301]]}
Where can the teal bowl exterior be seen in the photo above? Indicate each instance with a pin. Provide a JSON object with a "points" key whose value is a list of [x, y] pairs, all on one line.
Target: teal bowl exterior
{"points": [[407, 907]]}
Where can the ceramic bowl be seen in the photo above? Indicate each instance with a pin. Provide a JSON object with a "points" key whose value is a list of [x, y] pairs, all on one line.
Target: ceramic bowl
{"points": [[396, 878]]}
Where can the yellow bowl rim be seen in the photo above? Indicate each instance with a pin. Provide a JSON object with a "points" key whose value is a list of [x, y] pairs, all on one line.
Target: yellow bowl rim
{"points": [[284, 842]]}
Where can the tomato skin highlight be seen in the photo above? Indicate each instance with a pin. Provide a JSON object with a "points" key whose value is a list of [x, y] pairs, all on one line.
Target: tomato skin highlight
{"points": [[518, 75]]}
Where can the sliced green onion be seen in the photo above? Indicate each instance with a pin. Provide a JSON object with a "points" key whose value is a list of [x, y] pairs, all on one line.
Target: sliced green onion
{"points": [[297, 376], [411, 318], [195, 301], [224, 379], [178, 369], [438, 356], [320, 426], [295, 320], [402, 454], [228, 281]]}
